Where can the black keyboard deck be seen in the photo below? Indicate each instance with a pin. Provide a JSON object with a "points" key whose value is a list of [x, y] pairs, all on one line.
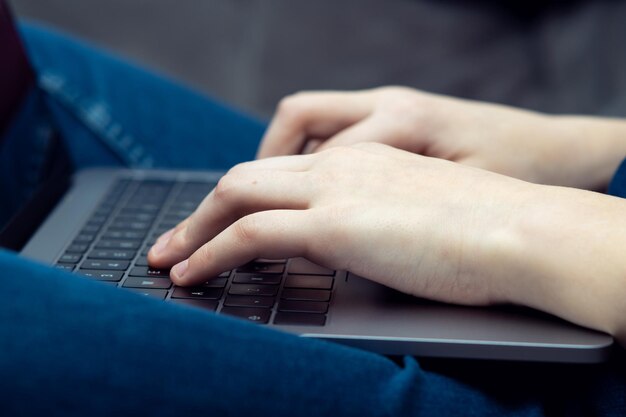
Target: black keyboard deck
{"points": [[112, 247]]}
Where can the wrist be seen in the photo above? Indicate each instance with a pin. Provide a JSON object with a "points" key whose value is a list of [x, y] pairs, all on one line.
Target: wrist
{"points": [[565, 257]]}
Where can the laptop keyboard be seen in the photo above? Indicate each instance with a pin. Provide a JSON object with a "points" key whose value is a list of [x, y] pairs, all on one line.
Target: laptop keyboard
{"points": [[113, 244]]}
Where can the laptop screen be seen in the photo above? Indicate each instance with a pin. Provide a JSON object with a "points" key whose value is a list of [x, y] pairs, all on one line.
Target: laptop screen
{"points": [[16, 75]]}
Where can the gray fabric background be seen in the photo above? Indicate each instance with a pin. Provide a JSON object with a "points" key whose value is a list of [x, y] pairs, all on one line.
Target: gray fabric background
{"points": [[563, 57]]}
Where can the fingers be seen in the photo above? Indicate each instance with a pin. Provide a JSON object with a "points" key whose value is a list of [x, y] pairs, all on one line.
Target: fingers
{"points": [[236, 195], [295, 163], [318, 115], [268, 234], [372, 129]]}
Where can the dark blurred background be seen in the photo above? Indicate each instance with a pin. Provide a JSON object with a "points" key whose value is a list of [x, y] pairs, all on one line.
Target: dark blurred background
{"points": [[555, 56]]}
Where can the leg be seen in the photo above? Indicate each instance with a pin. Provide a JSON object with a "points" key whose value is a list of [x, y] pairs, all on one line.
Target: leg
{"points": [[79, 348], [111, 112]]}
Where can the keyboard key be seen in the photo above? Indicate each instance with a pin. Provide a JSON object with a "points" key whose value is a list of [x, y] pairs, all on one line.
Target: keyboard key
{"points": [[146, 208], [257, 279], [102, 275], [118, 244], [124, 235], [111, 254], [168, 218], [210, 305], [139, 226], [224, 274], [91, 229], [84, 238], [161, 230], [159, 283], [77, 248], [256, 315], [92, 224], [182, 211], [168, 225], [144, 271], [131, 211], [299, 319], [250, 289], [159, 294], [271, 261], [309, 281], [70, 258], [216, 283], [198, 292], [303, 306], [135, 217], [306, 267], [103, 211], [97, 220], [67, 267], [141, 261], [305, 294], [247, 301], [262, 268], [105, 265]]}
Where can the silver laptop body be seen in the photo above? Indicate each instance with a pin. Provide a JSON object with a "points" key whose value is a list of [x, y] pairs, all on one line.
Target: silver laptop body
{"points": [[361, 313]]}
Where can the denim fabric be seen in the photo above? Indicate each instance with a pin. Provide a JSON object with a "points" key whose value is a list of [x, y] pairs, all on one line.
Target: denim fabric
{"points": [[76, 347], [617, 187], [70, 346], [113, 113]]}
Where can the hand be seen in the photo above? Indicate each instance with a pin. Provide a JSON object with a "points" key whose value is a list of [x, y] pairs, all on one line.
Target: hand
{"points": [[559, 150], [424, 226]]}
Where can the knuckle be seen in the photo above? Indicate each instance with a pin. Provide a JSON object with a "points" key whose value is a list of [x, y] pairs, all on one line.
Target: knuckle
{"points": [[407, 115], [246, 230], [226, 186], [292, 107], [402, 106], [334, 164], [202, 255], [240, 168], [180, 240]]}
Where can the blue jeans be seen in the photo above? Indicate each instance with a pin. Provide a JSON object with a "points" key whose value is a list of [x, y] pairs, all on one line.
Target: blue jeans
{"points": [[71, 346]]}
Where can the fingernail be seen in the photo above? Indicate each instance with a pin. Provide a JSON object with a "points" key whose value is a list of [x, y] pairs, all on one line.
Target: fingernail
{"points": [[180, 269]]}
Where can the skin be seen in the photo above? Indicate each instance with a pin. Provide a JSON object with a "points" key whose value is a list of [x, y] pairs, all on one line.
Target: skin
{"points": [[448, 199]]}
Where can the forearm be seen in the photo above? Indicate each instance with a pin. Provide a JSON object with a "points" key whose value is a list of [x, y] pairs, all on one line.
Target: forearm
{"points": [[566, 257]]}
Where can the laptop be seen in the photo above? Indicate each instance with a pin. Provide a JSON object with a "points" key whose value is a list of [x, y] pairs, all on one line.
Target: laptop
{"points": [[100, 224]]}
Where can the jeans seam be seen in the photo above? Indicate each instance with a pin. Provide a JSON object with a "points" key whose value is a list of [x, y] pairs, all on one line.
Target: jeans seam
{"points": [[94, 114]]}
